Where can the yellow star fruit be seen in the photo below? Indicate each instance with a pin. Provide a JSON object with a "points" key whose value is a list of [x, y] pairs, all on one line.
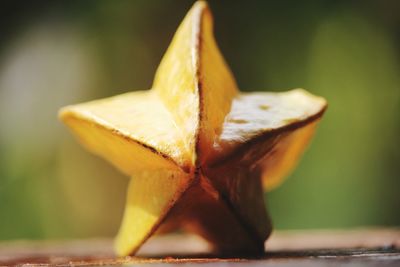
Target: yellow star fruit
{"points": [[199, 152]]}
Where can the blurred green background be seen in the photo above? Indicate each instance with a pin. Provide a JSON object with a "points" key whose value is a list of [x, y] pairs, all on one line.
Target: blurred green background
{"points": [[54, 53]]}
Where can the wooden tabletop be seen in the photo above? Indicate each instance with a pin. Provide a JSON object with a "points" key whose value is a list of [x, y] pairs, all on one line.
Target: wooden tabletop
{"points": [[362, 247]]}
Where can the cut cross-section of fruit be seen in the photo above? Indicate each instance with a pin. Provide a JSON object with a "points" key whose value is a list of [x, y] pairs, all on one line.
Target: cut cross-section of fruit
{"points": [[199, 152]]}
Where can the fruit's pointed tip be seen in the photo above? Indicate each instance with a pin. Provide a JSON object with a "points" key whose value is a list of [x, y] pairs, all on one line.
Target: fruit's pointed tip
{"points": [[302, 91], [121, 248], [118, 249], [201, 6], [63, 113], [201, 3], [66, 113]]}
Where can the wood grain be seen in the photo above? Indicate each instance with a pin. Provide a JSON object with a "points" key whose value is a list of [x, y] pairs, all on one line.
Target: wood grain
{"points": [[362, 247]]}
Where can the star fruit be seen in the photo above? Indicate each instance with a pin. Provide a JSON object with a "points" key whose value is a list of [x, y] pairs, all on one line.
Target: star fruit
{"points": [[200, 153]]}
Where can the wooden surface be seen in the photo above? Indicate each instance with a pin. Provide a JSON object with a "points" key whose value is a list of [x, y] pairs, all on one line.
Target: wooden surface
{"points": [[371, 247]]}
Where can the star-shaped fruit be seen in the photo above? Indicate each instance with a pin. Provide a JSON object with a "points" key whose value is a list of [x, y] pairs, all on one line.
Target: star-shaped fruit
{"points": [[200, 152]]}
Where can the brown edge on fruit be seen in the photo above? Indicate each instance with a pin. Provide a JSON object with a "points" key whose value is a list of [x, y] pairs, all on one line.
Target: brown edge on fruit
{"points": [[248, 228], [201, 9], [177, 195], [262, 136], [65, 114]]}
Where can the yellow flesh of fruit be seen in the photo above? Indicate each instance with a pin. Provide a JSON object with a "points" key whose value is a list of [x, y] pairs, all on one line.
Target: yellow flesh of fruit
{"points": [[196, 146]]}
